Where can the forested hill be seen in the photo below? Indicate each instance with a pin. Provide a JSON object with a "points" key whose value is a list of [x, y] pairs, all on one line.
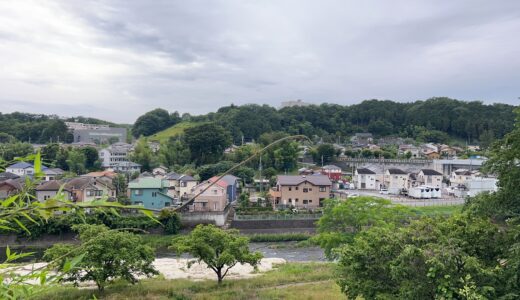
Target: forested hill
{"points": [[38, 128], [436, 120]]}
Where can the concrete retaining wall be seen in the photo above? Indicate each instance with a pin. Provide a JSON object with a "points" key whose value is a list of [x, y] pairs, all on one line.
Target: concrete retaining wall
{"points": [[193, 218], [273, 224]]}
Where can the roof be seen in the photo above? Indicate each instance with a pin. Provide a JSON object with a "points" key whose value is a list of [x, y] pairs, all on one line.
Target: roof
{"points": [[413, 176], [16, 183], [431, 172], [79, 183], [225, 181], [148, 183], [8, 175], [330, 167], [462, 172], [52, 185], [23, 165], [53, 171], [297, 179], [101, 174], [187, 178], [126, 164], [20, 165], [365, 171], [396, 171], [172, 176], [145, 174]]}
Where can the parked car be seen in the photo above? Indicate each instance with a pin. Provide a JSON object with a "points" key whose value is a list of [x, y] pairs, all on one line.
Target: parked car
{"points": [[383, 192]]}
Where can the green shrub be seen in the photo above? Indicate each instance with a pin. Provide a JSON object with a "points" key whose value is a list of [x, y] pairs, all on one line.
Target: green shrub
{"points": [[280, 237]]}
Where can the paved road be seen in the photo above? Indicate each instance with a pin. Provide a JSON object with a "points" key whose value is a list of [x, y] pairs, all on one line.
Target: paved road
{"points": [[411, 201]]}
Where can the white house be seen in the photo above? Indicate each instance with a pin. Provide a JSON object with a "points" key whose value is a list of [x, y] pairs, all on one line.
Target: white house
{"points": [[180, 185], [430, 178], [114, 154], [395, 180], [21, 169], [459, 177], [365, 179]]}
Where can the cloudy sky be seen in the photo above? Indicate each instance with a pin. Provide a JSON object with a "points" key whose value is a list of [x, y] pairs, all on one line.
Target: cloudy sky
{"points": [[117, 59]]}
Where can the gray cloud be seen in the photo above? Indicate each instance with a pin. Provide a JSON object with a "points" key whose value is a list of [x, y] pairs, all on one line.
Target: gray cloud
{"points": [[117, 59]]}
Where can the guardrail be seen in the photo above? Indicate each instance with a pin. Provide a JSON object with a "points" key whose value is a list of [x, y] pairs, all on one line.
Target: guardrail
{"points": [[316, 216]]}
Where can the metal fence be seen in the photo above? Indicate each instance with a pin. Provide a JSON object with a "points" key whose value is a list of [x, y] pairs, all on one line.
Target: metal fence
{"points": [[316, 216]]}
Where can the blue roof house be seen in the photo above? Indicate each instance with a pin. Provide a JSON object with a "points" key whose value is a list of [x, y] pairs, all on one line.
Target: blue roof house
{"points": [[150, 192]]}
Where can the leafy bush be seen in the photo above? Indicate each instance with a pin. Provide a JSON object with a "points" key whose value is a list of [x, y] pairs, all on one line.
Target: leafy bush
{"points": [[109, 255], [280, 237]]}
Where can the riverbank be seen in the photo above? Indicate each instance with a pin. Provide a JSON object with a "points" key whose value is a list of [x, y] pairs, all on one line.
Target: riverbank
{"points": [[286, 281]]}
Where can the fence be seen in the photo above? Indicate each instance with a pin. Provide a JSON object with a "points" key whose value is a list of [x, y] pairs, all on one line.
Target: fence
{"points": [[316, 216]]}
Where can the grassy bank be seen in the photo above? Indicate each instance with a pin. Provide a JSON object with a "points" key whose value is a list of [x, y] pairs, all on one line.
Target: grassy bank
{"points": [[288, 281], [280, 237]]}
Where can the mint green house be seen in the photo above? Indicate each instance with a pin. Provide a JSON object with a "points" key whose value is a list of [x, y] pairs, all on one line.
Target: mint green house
{"points": [[150, 192]]}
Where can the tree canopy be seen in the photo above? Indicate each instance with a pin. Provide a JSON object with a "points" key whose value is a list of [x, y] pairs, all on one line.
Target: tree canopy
{"points": [[220, 250]]}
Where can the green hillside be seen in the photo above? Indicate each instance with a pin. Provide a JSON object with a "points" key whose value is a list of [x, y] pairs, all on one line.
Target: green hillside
{"points": [[176, 130]]}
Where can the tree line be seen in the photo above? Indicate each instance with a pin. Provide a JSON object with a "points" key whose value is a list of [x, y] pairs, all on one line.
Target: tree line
{"points": [[433, 120]]}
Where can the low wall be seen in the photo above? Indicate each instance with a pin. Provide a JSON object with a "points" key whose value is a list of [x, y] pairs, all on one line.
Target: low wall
{"points": [[191, 219], [273, 224]]}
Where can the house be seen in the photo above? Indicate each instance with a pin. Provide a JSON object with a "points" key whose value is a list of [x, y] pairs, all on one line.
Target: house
{"points": [[447, 151], [21, 169], [150, 192], [373, 147], [50, 189], [301, 191], [99, 174], [332, 171], [180, 185], [6, 176], [126, 167], [415, 152], [362, 139], [160, 171], [114, 154], [412, 181], [215, 194], [365, 179], [430, 178], [85, 189], [305, 171], [395, 180], [459, 177], [52, 173], [430, 154], [10, 187]]}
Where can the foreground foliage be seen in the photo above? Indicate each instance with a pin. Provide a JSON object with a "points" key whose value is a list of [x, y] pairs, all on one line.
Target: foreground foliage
{"points": [[219, 249], [287, 281], [342, 220], [106, 256]]}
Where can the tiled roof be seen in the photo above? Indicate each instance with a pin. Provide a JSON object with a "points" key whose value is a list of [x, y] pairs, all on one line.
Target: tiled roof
{"points": [[365, 171], [7, 175], [431, 172], [52, 185], [295, 180], [148, 183], [396, 171], [187, 178]]}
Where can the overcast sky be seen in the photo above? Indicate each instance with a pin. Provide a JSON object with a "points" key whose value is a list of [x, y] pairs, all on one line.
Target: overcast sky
{"points": [[116, 60]]}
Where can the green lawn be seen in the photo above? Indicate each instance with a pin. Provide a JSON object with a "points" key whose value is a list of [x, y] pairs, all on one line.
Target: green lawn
{"points": [[176, 130], [445, 210], [288, 281]]}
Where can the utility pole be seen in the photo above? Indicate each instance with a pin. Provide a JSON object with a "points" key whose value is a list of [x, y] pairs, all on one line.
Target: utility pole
{"points": [[261, 180], [322, 161]]}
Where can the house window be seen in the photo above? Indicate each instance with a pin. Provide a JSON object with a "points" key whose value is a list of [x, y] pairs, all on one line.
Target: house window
{"points": [[296, 199], [166, 204], [323, 189], [215, 206], [310, 201], [215, 191], [154, 194], [305, 201], [138, 192], [305, 190], [290, 188], [296, 188]]}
